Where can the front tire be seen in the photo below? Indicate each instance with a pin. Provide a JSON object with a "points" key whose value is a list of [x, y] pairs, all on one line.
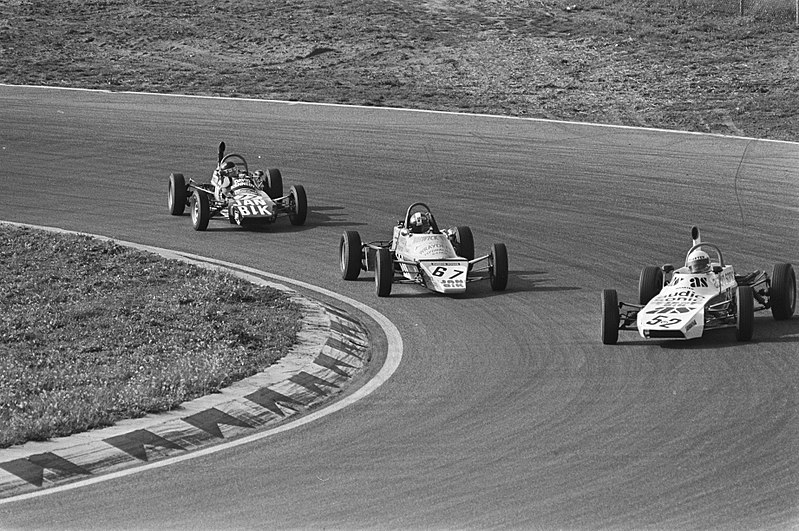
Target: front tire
{"points": [[464, 242], [274, 183], [350, 250], [299, 205], [384, 272], [610, 317], [498, 268], [176, 197], [745, 321], [200, 210], [650, 283], [782, 294]]}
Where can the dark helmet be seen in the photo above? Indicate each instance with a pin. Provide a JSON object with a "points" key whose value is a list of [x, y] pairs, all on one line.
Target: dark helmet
{"points": [[420, 222], [228, 169]]}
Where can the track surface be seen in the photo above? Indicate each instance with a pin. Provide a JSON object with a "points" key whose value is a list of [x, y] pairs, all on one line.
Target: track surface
{"points": [[506, 411]]}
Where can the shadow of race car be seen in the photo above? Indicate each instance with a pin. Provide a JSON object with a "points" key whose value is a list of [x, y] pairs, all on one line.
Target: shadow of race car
{"points": [[421, 253], [705, 294], [251, 199]]}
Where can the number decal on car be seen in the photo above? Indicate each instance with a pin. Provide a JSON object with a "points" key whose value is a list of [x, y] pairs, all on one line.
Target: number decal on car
{"points": [[662, 320], [440, 271]]}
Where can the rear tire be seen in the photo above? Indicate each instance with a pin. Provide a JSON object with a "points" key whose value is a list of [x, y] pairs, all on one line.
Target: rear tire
{"points": [[177, 196], [745, 321], [384, 272], [350, 251], [498, 268], [464, 242], [610, 317], [274, 183], [299, 205], [782, 294], [200, 210], [650, 283]]}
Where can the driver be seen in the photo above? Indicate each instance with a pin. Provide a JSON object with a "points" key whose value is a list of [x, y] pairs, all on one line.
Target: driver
{"points": [[223, 180], [698, 261], [420, 222]]}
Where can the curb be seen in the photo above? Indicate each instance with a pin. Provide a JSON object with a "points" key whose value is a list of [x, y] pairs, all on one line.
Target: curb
{"points": [[332, 347]]}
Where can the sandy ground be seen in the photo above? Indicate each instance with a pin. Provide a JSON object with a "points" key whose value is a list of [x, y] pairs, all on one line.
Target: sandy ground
{"points": [[657, 63]]}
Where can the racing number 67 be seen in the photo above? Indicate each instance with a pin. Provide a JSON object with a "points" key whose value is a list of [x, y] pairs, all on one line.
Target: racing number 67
{"points": [[441, 270]]}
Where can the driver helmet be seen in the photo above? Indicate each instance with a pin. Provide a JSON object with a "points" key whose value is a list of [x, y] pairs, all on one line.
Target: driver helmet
{"points": [[420, 222], [698, 261], [228, 169]]}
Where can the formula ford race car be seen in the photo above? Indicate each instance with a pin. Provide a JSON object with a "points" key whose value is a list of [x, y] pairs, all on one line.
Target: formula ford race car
{"points": [[421, 253], [705, 294], [235, 194]]}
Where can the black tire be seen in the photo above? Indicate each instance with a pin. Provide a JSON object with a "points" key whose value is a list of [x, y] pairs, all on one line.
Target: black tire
{"points": [[745, 319], [498, 267], [649, 284], [782, 293], [176, 198], [610, 317], [200, 210], [350, 251], [464, 242], [274, 183], [384, 272], [299, 205]]}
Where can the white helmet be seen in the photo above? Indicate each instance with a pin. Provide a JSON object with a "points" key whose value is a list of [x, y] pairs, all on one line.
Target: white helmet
{"points": [[698, 261]]}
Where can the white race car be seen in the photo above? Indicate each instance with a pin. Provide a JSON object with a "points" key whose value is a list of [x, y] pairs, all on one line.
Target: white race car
{"points": [[421, 253], [705, 294]]}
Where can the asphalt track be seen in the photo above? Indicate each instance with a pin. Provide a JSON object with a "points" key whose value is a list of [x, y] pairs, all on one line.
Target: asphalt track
{"points": [[506, 410]]}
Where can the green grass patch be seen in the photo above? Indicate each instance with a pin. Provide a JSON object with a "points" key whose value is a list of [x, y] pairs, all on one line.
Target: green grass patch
{"points": [[92, 332]]}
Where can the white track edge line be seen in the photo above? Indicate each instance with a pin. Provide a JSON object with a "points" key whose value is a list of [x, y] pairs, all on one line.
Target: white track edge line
{"points": [[393, 359], [403, 109]]}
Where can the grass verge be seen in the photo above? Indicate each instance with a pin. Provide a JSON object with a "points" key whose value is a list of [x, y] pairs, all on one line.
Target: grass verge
{"points": [[92, 332]]}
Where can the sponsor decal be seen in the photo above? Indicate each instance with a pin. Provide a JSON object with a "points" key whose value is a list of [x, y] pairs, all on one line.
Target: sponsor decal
{"points": [[691, 325], [682, 294], [698, 282], [433, 248], [682, 301], [671, 309], [448, 264], [254, 210], [252, 200], [727, 277], [253, 206]]}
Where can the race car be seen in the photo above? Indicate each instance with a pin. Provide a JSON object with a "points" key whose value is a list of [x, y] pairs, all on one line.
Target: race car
{"points": [[704, 294], [236, 194], [421, 253]]}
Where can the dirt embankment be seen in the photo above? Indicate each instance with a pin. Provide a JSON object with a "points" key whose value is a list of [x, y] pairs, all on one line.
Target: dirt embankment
{"points": [[652, 63]]}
